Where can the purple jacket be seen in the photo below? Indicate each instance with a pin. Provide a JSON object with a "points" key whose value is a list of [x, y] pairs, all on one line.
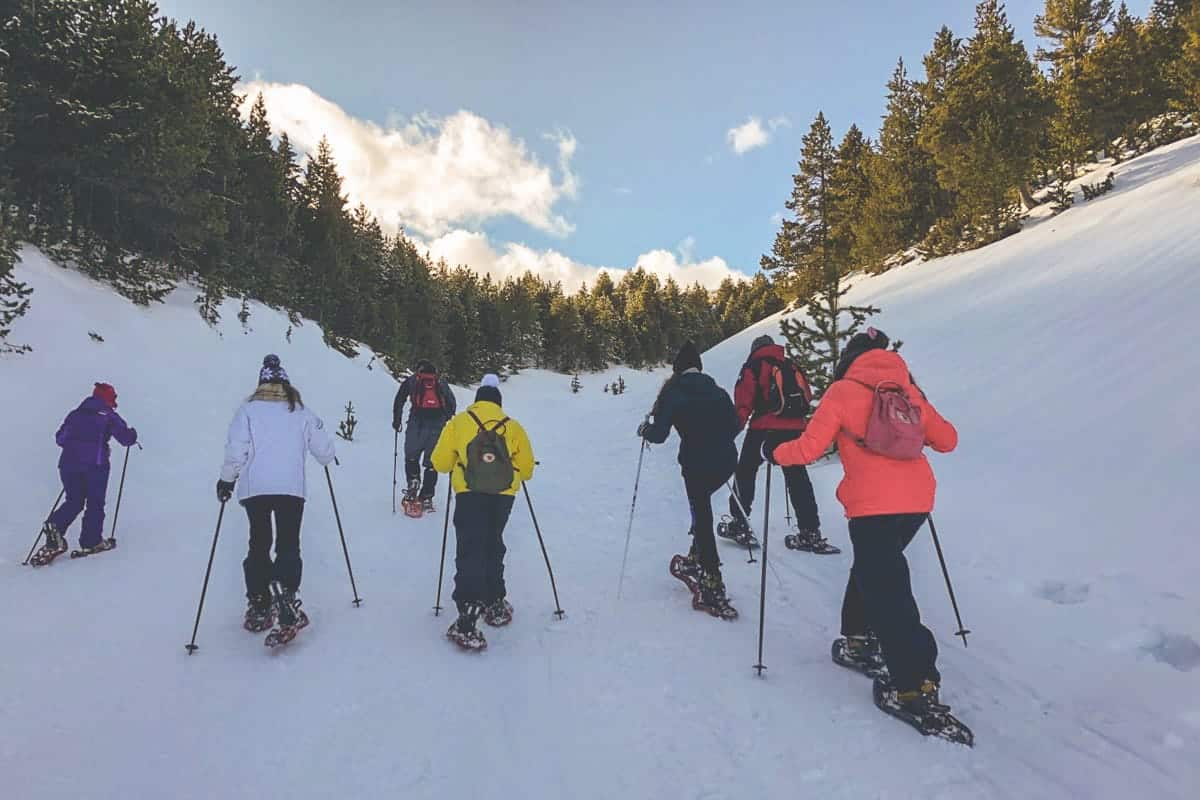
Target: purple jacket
{"points": [[85, 432]]}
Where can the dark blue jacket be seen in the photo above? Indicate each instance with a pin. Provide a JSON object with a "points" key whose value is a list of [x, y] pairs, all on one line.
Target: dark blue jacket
{"points": [[85, 432], [707, 423]]}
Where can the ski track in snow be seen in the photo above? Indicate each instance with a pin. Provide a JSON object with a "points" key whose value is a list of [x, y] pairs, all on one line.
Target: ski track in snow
{"points": [[1066, 518]]}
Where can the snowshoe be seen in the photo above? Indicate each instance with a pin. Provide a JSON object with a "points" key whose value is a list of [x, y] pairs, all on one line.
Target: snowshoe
{"points": [[290, 620], [922, 709], [737, 530], [260, 614], [410, 502], [810, 541], [104, 546], [412, 508], [710, 597], [427, 505], [686, 569], [498, 614], [463, 631], [54, 547], [861, 654]]}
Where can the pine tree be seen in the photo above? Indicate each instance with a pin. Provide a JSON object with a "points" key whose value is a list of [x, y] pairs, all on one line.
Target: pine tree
{"points": [[803, 253], [940, 63], [1168, 42], [984, 132], [1123, 80], [14, 295], [1187, 69], [576, 385], [850, 191], [816, 340]]}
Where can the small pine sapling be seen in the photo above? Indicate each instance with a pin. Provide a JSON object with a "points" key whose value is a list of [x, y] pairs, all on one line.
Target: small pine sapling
{"points": [[575, 385], [346, 427]]}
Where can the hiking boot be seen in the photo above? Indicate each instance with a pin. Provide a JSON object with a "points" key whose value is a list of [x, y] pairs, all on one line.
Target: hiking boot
{"points": [[414, 489], [260, 613], [922, 700], [463, 631], [810, 540], [737, 530], [427, 505], [711, 597], [287, 608], [55, 546], [499, 613]]}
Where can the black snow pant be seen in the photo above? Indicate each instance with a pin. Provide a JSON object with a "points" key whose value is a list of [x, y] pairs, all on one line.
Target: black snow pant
{"points": [[479, 521], [879, 597], [796, 480], [286, 568], [419, 441], [700, 488]]}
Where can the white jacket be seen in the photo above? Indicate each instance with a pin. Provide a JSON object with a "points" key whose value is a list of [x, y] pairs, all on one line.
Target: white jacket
{"points": [[266, 448]]}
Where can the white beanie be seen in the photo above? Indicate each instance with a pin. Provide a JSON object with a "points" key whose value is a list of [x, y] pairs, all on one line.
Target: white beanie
{"points": [[490, 380]]}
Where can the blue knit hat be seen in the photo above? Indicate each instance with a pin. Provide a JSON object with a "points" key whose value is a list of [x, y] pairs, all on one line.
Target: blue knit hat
{"points": [[272, 371]]}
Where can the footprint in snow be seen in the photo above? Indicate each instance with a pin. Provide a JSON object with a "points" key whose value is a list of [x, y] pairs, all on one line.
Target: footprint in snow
{"points": [[1062, 593], [1175, 650]]}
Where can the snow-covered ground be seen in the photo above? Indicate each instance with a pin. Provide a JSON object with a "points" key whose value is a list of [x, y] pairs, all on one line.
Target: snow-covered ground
{"points": [[1065, 355]]}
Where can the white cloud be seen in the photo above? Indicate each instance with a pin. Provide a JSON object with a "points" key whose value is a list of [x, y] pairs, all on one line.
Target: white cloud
{"points": [[748, 136], [428, 174], [686, 249], [775, 123], [475, 250]]}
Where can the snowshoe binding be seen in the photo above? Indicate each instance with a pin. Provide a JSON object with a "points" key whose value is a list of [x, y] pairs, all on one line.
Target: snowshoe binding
{"points": [[687, 569], [498, 614], [463, 631], [260, 613], [290, 618], [861, 654], [710, 597], [54, 547], [104, 546], [737, 530], [810, 541], [410, 502], [922, 709]]}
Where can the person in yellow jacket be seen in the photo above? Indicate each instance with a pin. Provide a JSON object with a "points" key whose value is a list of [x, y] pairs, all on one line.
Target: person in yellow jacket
{"points": [[487, 455]]}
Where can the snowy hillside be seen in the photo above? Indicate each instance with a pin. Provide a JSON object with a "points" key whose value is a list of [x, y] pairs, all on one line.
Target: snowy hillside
{"points": [[1064, 355]]}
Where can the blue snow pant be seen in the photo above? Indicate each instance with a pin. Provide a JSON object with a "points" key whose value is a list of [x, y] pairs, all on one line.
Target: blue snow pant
{"points": [[479, 521], [419, 440], [879, 596], [700, 488], [85, 489]]}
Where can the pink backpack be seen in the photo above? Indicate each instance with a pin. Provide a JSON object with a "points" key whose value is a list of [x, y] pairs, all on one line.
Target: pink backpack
{"points": [[894, 428]]}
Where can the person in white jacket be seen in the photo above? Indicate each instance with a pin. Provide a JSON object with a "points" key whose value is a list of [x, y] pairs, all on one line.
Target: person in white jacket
{"points": [[269, 439]]}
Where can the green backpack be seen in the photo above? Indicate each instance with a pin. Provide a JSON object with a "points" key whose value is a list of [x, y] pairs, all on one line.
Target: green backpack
{"points": [[489, 469]]}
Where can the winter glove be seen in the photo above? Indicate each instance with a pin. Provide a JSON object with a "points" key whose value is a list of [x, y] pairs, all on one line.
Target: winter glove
{"points": [[224, 490], [397, 426], [641, 431], [768, 451]]}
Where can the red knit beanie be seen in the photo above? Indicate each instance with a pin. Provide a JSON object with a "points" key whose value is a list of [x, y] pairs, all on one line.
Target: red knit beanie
{"points": [[107, 393]]}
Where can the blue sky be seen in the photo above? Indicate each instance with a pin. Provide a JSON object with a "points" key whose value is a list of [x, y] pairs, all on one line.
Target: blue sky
{"points": [[646, 95]]}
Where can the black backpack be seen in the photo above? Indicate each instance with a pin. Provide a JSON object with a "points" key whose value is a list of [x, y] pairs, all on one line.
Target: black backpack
{"points": [[489, 468], [783, 390]]}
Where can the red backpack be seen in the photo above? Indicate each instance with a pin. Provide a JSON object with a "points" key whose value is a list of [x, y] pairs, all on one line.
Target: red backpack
{"points": [[426, 394], [894, 428]]}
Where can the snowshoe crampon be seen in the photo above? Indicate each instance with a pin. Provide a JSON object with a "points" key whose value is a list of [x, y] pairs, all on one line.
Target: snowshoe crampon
{"points": [[933, 720], [498, 614], [412, 508], [283, 634], [736, 531], [260, 615], [104, 546], [710, 598], [810, 542], [290, 618], [687, 570], [54, 547], [867, 661], [471, 639]]}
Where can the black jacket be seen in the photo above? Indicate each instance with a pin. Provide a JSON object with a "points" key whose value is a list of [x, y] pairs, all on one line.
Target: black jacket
{"points": [[404, 394], [705, 419]]}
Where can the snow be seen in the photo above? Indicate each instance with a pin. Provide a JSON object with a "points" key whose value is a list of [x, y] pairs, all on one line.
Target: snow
{"points": [[1064, 355]]}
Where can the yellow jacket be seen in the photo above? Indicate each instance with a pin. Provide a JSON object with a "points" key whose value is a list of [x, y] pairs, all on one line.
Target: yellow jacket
{"points": [[450, 455]]}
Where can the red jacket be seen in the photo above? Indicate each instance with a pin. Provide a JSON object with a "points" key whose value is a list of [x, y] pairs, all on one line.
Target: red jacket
{"points": [[873, 484], [752, 386]]}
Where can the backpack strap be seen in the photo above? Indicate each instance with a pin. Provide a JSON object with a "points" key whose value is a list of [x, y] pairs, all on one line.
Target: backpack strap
{"points": [[499, 423]]}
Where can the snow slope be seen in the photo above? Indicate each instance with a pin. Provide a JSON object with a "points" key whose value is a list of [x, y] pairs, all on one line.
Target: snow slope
{"points": [[1064, 355]]}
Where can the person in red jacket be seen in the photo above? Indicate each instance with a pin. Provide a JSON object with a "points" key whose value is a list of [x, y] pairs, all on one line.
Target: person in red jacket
{"points": [[770, 425], [887, 500]]}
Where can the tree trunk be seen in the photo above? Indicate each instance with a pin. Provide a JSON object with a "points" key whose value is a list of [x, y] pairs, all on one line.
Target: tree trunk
{"points": [[1026, 192]]}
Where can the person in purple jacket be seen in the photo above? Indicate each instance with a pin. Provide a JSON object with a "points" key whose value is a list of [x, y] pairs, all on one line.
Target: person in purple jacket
{"points": [[84, 467]]}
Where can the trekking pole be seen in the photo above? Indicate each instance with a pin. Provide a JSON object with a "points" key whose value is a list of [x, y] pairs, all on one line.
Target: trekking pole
{"points": [[112, 534], [395, 462], [437, 604], [633, 505], [733, 493], [53, 508], [762, 595], [193, 647], [342, 534], [787, 507], [945, 573], [558, 612]]}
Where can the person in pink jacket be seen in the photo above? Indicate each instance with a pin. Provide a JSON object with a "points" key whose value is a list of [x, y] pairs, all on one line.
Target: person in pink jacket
{"points": [[887, 500]]}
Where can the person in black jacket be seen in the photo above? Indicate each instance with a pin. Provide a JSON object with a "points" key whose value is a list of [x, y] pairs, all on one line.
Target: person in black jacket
{"points": [[432, 405], [704, 416]]}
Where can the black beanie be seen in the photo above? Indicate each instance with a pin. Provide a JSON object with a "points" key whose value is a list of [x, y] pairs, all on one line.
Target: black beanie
{"points": [[762, 341], [859, 343], [488, 394], [687, 358]]}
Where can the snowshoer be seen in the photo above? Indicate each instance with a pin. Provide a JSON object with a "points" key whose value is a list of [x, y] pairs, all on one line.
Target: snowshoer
{"points": [[704, 416], [488, 455], [887, 499], [772, 395], [433, 404], [84, 467], [268, 440]]}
